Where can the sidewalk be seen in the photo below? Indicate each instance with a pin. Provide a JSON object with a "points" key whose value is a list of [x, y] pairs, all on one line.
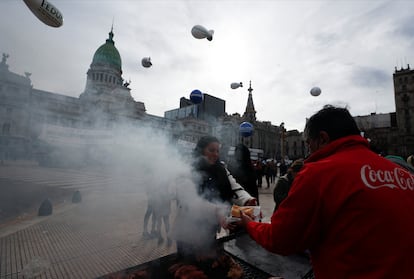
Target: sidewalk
{"points": [[266, 201], [100, 235]]}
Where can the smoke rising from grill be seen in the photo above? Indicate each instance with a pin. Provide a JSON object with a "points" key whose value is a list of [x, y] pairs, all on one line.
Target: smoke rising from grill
{"points": [[142, 160]]}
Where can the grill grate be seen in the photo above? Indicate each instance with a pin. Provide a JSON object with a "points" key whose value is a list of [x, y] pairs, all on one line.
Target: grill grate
{"points": [[158, 269], [250, 271]]}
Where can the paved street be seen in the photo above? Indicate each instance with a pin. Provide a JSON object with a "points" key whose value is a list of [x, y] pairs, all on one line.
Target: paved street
{"points": [[100, 235]]}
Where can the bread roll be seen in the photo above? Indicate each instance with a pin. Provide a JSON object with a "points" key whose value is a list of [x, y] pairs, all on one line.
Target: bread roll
{"points": [[235, 211]]}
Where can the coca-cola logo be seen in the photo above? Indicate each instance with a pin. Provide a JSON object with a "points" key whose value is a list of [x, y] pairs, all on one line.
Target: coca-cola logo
{"points": [[396, 178]]}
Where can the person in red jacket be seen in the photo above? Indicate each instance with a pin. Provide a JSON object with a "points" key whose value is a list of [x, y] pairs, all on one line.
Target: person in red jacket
{"points": [[351, 208]]}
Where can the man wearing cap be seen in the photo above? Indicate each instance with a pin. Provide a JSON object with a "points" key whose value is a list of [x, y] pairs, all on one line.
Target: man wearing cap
{"points": [[351, 208]]}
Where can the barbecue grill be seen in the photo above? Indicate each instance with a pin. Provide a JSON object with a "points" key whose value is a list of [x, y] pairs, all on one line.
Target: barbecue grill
{"points": [[158, 268], [256, 263]]}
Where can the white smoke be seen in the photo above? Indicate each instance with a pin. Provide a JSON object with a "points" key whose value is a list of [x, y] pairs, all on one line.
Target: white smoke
{"points": [[145, 160]]}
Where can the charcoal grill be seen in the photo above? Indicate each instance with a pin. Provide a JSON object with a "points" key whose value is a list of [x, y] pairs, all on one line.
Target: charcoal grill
{"points": [[254, 260], [158, 268]]}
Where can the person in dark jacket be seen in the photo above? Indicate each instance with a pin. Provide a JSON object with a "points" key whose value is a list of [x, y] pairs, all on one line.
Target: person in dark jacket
{"points": [[242, 169], [217, 188], [258, 168], [284, 182]]}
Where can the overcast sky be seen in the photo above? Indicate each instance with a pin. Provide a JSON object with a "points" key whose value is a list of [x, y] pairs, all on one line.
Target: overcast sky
{"points": [[347, 48]]}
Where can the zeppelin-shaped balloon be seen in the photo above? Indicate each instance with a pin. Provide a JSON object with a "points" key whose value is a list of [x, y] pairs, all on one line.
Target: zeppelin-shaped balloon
{"points": [[236, 85], [315, 91], [200, 32], [146, 62], [46, 12]]}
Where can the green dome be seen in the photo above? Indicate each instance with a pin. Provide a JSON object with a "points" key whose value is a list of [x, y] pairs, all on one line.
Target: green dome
{"points": [[107, 54]]}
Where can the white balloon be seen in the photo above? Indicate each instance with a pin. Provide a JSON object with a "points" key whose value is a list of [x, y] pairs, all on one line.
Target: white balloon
{"points": [[146, 62], [46, 12], [236, 85], [315, 91], [200, 32]]}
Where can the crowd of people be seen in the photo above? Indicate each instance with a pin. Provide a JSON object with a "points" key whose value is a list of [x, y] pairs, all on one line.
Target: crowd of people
{"points": [[349, 208], [270, 169]]}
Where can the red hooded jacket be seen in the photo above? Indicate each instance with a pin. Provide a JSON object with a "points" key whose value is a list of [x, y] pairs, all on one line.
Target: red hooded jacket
{"points": [[354, 211]]}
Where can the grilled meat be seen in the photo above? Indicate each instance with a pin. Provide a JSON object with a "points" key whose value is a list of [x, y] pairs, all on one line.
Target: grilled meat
{"points": [[235, 271], [186, 271]]}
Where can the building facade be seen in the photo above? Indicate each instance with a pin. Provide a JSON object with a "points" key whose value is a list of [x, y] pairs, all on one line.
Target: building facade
{"points": [[15, 107], [266, 138], [404, 105], [33, 120], [393, 133]]}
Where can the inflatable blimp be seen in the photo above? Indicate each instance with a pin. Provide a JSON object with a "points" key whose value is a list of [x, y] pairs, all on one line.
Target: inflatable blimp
{"points": [[200, 32], [146, 62], [46, 12]]}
